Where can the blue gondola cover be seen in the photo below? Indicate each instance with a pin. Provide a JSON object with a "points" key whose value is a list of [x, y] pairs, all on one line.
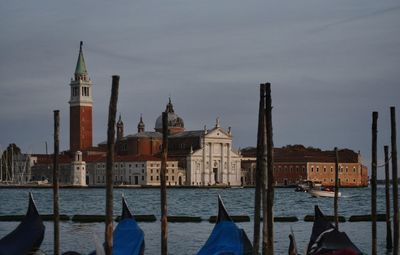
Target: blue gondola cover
{"points": [[128, 238]]}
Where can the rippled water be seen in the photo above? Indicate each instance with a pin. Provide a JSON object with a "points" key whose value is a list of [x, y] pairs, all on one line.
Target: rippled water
{"points": [[187, 238]]}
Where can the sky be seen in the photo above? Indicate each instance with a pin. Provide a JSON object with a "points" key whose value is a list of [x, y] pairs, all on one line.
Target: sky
{"points": [[330, 65]]}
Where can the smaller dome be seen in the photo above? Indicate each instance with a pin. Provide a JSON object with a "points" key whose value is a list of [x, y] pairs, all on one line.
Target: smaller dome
{"points": [[174, 121]]}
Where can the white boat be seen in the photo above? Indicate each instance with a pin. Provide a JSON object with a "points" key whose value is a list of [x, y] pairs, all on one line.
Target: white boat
{"points": [[321, 192]]}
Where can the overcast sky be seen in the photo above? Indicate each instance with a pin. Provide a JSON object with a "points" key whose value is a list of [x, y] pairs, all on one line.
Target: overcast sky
{"points": [[330, 63]]}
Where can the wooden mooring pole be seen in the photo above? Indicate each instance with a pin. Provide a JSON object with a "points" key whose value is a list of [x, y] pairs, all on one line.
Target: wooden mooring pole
{"points": [[395, 181], [56, 174], [373, 180], [112, 111], [389, 244], [163, 184], [259, 173], [335, 202], [269, 213]]}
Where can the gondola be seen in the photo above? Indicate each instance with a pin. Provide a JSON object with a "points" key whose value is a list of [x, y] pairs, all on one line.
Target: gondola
{"points": [[226, 237], [28, 235], [128, 237], [326, 239], [292, 246]]}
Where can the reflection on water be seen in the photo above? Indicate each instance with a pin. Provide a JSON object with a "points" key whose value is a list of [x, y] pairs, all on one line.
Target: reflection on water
{"points": [[187, 238]]}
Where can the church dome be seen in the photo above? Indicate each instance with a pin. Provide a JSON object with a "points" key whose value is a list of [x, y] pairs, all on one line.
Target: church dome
{"points": [[175, 123]]}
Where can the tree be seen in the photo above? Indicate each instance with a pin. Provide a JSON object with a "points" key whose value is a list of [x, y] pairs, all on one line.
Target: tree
{"points": [[7, 157]]}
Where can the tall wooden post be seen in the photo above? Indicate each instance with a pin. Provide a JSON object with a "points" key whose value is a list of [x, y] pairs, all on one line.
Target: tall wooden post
{"points": [[259, 172], [335, 203], [263, 168], [270, 171], [373, 180], [389, 244], [56, 213], [112, 111], [164, 156], [395, 181]]}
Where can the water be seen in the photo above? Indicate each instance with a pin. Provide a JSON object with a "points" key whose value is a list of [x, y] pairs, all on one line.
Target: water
{"points": [[187, 238]]}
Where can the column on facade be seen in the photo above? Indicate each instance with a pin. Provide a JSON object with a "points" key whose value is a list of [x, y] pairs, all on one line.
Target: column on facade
{"points": [[229, 162], [222, 164], [203, 173], [210, 164]]}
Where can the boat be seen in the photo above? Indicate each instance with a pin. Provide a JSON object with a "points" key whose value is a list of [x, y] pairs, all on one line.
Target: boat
{"points": [[226, 237], [292, 245], [319, 191], [28, 235], [128, 237], [326, 239], [304, 186]]}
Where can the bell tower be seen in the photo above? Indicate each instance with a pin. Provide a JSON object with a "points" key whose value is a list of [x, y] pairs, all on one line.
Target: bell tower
{"points": [[80, 107]]}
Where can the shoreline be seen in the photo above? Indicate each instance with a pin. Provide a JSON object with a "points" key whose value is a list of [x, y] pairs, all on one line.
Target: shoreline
{"points": [[50, 186]]}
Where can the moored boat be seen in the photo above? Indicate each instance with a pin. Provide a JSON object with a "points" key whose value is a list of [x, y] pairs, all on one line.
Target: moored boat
{"points": [[326, 239], [28, 235], [226, 237], [128, 237]]}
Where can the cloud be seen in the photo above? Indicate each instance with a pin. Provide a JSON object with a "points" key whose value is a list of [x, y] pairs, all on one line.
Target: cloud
{"points": [[330, 64]]}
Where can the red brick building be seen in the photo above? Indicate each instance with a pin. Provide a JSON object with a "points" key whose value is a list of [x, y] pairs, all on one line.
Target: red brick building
{"points": [[295, 163], [146, 142]]}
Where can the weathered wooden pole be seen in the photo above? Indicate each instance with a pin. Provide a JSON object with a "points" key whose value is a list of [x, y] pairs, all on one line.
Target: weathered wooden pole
{"points": [[112, 111], [264, 181], [373, 180], [259, 173], [395, 181], [335, 203], [389, 244], [56, 212], [163, 184], [270, 171]]}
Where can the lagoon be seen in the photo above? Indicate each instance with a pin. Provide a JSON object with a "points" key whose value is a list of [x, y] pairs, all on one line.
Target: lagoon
{"points": [[187, 238]]}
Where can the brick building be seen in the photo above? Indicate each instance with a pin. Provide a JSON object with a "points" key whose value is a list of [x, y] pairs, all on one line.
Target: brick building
{"points": [[295, 163]]}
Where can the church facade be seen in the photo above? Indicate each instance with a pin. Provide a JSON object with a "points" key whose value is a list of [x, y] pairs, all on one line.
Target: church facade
{"points": [[215, 162]]}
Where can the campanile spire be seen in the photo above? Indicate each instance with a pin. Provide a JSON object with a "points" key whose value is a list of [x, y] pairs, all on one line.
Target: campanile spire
{"points": [[80, 105], [80, 70]]}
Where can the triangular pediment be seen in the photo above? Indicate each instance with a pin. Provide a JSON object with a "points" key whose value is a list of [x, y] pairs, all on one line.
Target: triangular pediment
{"points": [[218, 132]]}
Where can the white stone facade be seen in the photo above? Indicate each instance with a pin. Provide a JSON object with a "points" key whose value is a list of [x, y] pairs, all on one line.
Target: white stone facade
{"points": [[215, 163], [141, 173]]}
